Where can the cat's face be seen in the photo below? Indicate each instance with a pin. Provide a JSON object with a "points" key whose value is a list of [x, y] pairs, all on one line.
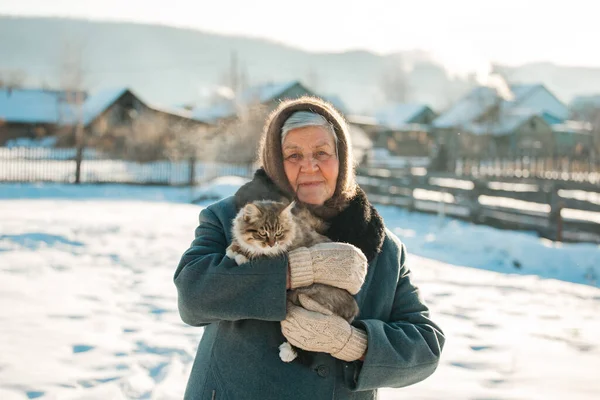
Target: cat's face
{"points": [[265, 227]]}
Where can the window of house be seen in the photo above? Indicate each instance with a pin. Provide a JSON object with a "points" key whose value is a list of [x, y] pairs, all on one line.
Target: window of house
{"points": [[124, 111]]}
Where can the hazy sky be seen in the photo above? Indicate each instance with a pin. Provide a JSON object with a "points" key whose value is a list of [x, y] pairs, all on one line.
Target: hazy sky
{"points": [[461, 33]]}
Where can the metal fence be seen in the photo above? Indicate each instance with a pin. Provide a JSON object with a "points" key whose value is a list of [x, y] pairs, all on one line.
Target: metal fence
{"points": [[23, 164]]}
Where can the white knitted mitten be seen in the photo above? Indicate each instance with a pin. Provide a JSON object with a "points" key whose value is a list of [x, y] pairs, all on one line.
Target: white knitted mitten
{"points": [[336, 264], [331, 334]]}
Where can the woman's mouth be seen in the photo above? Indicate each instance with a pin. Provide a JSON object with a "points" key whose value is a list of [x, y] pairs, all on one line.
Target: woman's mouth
{"points": [[310, 184]]}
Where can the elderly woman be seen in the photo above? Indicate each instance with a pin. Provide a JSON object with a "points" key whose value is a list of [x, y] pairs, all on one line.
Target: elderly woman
{"points": [[305, 154]]}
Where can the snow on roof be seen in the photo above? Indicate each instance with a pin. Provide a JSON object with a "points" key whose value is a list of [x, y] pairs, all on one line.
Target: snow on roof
{"points": [[34, 106], [468, 108], [337, 102], [586, 101], [570, 126], [30, 106], [98, 102], [520, 91], [256, 94], [398, 115], [508, 121], [362, 120], [213, 113], [266, 92]]}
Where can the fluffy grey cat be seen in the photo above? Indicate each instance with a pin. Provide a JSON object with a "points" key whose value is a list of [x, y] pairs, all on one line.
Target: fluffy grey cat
{"points": [[269, 228]]}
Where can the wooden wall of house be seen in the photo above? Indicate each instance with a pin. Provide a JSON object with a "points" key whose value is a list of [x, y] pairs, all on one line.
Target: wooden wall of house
{"points": [[533, 138], [405, 143], [10, 131]]}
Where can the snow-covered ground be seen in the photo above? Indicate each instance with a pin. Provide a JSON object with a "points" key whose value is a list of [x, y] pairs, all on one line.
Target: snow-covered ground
{"points": [[88, 307]]}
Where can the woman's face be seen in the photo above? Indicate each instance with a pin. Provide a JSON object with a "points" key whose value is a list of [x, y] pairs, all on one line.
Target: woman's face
{"points": [[311, 164]]}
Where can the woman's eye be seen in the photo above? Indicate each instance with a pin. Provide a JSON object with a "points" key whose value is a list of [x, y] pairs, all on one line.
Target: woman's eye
{"points": [[294, 157], [322, 155]]}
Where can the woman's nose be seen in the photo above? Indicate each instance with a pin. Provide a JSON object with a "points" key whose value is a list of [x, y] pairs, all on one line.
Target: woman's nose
{"points": [[309, 164]]}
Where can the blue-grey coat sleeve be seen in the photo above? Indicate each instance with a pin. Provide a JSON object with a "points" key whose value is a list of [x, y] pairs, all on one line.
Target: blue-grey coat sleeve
{"points": [[212, 287], [406, 348]]}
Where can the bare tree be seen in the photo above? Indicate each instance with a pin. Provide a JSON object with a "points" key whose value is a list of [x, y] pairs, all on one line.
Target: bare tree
{"points": [[12, 79], [235, 77], [395, 85], [70, 107], [236, 141], [312, 79]]}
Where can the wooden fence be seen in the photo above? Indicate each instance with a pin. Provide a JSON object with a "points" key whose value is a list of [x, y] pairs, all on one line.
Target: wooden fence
{"points": [[555, 209], [515, 195], [59, 165], [554, 168]]}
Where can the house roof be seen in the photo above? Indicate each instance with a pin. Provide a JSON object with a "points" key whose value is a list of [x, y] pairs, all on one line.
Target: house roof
{"points": [[585, 101], [507, 123], [469, 108], [570, 127], [99, 101], [32, 106], [256, 94], [362, 120], [397, 116], [266, 92], [525, 100], [38, 106], [337, 102], [521, 91]]}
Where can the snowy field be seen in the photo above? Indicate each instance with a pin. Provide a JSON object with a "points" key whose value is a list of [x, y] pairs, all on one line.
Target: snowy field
{"points": [[88, 307]]}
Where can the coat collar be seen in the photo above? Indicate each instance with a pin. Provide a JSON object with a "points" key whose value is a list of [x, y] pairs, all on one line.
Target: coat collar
{"points": [[358, 223]]}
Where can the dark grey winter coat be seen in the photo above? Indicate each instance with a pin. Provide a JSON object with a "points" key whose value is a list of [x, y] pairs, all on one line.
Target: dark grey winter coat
{"points": [[240, 308]]}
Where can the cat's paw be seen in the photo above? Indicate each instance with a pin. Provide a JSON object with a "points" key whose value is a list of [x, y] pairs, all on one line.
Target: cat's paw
{"points": [[286, 352], [240, 259], [230, 253]]}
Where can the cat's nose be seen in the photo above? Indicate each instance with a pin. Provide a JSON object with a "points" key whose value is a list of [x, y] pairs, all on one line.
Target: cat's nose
{"points": [[272, 242]]}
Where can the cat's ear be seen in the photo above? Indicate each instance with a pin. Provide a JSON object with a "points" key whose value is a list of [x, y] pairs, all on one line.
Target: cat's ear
{"points": [[288, 209], [251, 211]]}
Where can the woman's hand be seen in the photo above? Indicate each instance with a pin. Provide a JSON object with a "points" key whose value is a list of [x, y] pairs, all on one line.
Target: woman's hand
{"points": [[313, 331], [336, 264]]}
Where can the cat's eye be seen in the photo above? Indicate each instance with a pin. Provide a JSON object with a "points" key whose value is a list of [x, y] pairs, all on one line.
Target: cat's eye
{"points": [[279, 234]]}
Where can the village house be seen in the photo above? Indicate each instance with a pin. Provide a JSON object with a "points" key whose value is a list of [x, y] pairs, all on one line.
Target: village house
{"points": [[529, 121], [405, 129], [110, 118], [241, 120]]}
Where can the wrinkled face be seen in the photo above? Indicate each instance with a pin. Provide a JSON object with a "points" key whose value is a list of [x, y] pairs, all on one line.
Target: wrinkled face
{"points": [[311, 164], [265, 227]]}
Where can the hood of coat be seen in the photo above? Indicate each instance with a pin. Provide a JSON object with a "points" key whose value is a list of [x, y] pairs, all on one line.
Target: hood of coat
{"points": [[271, 154]]}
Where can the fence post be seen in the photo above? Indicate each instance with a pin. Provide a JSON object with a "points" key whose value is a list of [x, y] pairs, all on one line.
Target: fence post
{"points": [[192, 166], [78, 160], [556, 221]]}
